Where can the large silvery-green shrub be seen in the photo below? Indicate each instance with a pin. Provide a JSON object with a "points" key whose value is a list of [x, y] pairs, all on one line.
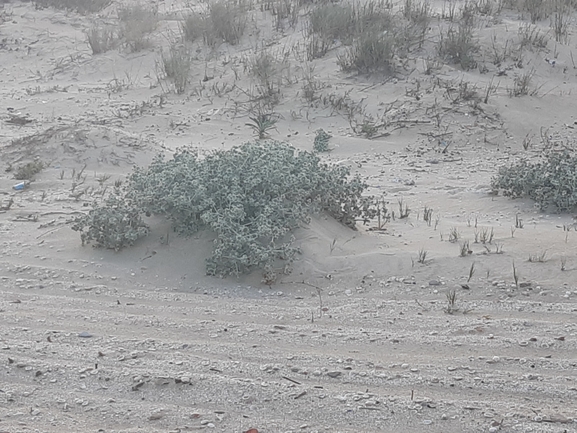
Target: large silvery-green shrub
{"points": [[552, 182], [251, 197]]}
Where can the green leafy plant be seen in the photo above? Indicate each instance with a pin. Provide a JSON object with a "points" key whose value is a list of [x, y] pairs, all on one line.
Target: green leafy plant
{"points": [[552, 182], [101, 39], [321, 143], [250, 197], [262, 123], [114, 224]]}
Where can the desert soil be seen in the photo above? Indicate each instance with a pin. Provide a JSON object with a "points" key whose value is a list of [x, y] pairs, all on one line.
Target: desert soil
{"points": [[360, 337]]}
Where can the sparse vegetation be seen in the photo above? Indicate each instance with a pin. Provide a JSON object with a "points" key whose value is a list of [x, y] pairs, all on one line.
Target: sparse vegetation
{"points": [[422, 256], [101, 39], [515, 276], [522, 84], [176, 64], [539, 257], [537, 9], [227, 23], [137, 22], [471, 272], [269, 74], [404, 209], [29, 170], [465, 249], [459, 45], [193, 27], [371, 52], [451, 307], [532, 36], [454, 234]]}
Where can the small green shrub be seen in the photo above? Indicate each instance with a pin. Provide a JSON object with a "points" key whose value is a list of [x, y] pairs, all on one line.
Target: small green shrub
{"points": [[321, 143], [114, 224], [193, 27], [251, 197], [29, 170], [552, 182]]}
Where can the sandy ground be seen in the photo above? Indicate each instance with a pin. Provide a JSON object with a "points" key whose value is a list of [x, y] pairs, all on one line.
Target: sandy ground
{"points": [[359, 337]]}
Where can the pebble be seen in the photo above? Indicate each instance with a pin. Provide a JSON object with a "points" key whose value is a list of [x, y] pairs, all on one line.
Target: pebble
{"points": [[334, 374], [85, 334]]}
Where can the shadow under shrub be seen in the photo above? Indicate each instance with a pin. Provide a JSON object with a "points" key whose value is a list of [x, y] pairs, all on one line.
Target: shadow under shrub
{"points": [[552, 182], [251, 197]]}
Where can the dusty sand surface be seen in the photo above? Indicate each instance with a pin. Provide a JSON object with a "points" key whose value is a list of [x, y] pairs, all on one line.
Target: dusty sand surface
{"points": [[358, 338]]}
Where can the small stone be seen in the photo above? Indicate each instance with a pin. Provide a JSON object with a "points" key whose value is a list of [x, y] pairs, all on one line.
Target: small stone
{"points": [[334, 374], [427, 421], [434, 283], [85, 334]]}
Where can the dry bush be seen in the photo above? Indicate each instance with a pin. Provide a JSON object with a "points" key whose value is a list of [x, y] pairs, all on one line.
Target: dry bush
{"points": [[560, 19], [176, 64], [371, 52], [531, 36], [459, 45], [137, 22], [418, 16], [101, 39], [367, 29], [193, 27], [333, 22], [317, 46], [283, 11], [81, 6], [227, 22], [522, 84], [537, 9], [269, 72]]}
